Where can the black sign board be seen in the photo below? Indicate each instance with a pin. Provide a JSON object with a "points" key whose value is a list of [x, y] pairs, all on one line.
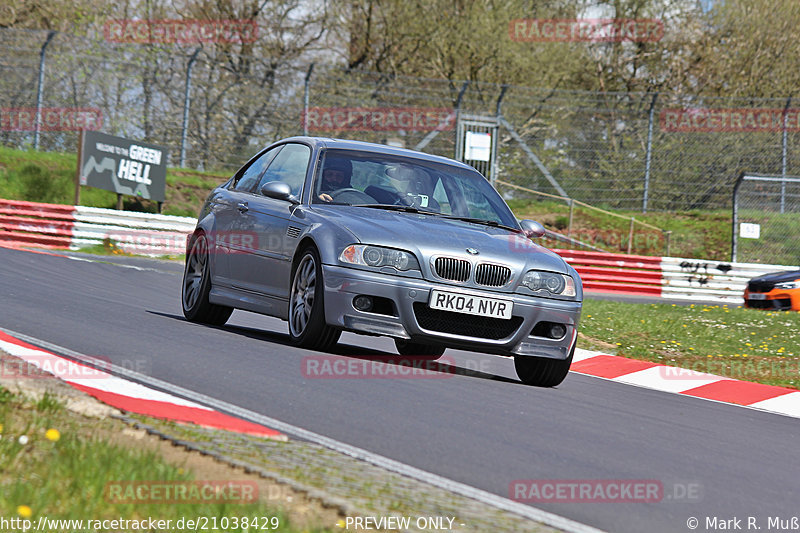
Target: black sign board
{"points": [[124, 166]]}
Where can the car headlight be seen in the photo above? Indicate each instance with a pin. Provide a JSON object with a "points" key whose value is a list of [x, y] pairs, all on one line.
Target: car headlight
{"points": [[377, 256], [551, 282], [787, 285]]}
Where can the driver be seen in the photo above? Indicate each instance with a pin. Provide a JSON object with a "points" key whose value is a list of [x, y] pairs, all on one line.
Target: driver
{"points": [[335, 176], [412, 184]]}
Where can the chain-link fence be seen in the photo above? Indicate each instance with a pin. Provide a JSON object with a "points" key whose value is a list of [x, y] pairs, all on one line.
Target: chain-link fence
{"points": [[634, 151], [766, 220]]}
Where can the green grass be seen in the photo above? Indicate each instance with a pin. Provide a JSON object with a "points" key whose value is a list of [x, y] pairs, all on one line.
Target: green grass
{"points": [[746, 344], [50, 177], [68, 477], [695, 234]]}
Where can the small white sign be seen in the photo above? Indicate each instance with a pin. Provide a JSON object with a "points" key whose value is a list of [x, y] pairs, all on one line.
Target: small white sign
{"points": [[749, 231], [479, 146]]}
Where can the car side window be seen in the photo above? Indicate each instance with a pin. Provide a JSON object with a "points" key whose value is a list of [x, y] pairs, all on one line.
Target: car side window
{"points": [[247, 179], [290, 167]]}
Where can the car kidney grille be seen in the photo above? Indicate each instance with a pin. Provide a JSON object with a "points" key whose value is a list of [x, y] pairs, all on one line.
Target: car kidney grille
{"points": [[452, 269], [760, 286], [467, 325], [492, 275]]}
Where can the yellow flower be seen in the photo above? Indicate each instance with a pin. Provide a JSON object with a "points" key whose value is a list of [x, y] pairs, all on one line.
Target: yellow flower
{"points": [[52, 434], [24, 511], [1, 428], [340, 523]]}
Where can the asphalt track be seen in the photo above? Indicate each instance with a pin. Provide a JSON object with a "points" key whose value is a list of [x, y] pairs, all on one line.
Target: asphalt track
{"points": [[477, 425]]}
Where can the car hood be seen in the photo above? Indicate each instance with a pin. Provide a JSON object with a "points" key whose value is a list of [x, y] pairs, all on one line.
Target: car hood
{"points": [[778, 277], [428, 235]]}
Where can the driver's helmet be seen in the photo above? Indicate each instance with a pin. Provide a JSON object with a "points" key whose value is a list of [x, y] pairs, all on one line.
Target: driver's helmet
{"points": [[408, 180], [336, 174]]}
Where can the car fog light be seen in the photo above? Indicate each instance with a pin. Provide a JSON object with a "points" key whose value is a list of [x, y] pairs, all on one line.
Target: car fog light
{"points": [[363, 303], [557, 331]]}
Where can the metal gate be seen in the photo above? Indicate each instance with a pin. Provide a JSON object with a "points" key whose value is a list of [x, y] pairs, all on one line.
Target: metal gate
{"points": [[476, 143], [766, 220]]}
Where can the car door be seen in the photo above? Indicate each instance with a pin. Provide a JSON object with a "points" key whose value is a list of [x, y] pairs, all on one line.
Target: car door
{"points": [[265, 268], [229, 205]]}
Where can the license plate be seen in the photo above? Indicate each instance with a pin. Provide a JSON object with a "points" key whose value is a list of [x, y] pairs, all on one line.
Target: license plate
{"points": [[471, 305], [757, 296]]}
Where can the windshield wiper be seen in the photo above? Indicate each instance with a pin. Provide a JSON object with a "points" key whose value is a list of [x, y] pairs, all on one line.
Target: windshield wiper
{"points": [[483, 222], [404, 208]]}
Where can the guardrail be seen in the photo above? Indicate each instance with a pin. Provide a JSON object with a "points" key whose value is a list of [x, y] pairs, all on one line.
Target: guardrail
{"points": [[608, 272], [74, 227], [668, 277], [28, 224]]}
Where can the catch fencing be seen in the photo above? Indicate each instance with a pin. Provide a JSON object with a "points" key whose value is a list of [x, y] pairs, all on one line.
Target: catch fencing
{"points": [[634, 151]]}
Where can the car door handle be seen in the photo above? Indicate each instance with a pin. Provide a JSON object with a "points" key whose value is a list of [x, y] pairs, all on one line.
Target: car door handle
{"points": [[242, 207]]}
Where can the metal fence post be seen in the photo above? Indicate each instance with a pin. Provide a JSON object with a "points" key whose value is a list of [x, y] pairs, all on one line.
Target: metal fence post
{"points": [[571, 210], [648, 153], [50, 35], [630, 236], [188, 89], [459, 146], [783, 158], [306, 96]]}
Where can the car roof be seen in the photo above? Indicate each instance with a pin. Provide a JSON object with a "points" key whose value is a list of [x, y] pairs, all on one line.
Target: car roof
{"points": [[346, 144]]}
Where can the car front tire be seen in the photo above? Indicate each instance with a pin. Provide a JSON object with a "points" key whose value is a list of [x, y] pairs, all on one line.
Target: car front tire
{"points": [[197, 285], [542, 372], [307, 326]]}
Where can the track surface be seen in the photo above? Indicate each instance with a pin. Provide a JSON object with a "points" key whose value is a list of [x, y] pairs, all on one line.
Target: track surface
{"points": [[481, 428]]}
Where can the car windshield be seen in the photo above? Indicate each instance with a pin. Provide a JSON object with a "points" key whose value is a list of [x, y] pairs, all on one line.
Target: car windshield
{"points": [[385, 181]]}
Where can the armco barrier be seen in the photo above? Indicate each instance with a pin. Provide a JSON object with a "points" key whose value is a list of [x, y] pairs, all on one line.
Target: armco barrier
{"points": [[607, 272], [667, 277], [74, 227], [711, 280]]}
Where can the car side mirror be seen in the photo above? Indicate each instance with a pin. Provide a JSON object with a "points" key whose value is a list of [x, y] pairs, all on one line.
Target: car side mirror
{"points": [[278, 190], [532, 229]]}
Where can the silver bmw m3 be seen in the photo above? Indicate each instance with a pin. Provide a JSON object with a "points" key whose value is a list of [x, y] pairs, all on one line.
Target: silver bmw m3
{"points": [[333, 235]]}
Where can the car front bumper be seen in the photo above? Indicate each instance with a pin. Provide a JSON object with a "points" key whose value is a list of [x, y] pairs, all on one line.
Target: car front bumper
{"points": [[776, 299], [412, 319]]}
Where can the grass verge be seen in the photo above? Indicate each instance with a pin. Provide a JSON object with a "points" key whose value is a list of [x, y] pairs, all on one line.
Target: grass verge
{"points": [[58, 465], [733, 342]]}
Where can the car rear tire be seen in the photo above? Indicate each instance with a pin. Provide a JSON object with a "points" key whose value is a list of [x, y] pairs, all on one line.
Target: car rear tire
{"points": [[197, 285], [542, 372], [307, 326], [426, 352]]}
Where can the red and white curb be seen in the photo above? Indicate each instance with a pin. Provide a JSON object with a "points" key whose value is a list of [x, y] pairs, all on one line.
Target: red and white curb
{"points": [[665, 378], [128, 395]]}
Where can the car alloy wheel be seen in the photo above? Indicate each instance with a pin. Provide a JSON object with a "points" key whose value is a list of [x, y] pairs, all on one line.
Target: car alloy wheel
{"points": [[197, 285], [307, 327]]}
